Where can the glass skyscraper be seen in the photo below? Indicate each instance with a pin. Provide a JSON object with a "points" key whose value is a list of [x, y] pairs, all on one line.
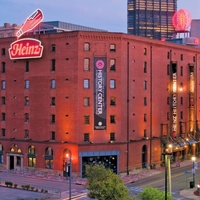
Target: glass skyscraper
{"points": [[151, 18]]}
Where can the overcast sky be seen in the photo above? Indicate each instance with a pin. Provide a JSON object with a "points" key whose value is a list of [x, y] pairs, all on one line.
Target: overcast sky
{"points": [[109, 15]]}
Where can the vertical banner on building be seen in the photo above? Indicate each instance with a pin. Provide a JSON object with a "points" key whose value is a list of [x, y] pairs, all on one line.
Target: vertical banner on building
{"points": [[100, 76]]}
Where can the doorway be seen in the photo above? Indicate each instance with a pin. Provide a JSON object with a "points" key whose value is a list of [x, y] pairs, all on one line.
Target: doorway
{"points": [[144, 157], [11, 162]]}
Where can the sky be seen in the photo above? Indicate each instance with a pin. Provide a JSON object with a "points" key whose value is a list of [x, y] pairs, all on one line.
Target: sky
{"points": [[109, 15]]}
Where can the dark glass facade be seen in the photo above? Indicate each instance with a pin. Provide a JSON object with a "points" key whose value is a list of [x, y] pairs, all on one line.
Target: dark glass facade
{"points": [[151, 18]]}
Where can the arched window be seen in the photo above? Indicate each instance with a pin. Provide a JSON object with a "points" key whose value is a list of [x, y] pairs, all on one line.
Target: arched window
{"points": [[31, 157], [1, 153], [49, 158]]}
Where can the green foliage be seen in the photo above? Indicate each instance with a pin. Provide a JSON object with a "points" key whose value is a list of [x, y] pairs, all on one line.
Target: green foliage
{"points": [[151, 193], [103, 184]]}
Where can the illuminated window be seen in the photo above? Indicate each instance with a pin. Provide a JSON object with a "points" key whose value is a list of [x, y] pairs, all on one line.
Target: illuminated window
{"points": [[49, 158], [26, 84], [112, 137], [31, 162], [3, 116], [53, 65], [86, 101], [3, 67], [53, 101], [3, 85], [27, 66], [112, 48], [86, 46], [26, 133], [26, 99], [53, 84], [3, 132], [112, 101], [86, 83], [112, 84], [145, 67], [26, 116], [86, 64], [112, 119], [86, 137], [3, 100], [53, 48], [112, 65], [86, 119], [53, 119], [3, 51]]}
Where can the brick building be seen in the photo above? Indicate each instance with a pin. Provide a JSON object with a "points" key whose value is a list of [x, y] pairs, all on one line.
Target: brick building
{"points": [[109, 98]]}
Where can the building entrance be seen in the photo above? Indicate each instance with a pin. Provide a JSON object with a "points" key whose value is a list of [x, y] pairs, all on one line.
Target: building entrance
{"points": [[11, 162]]}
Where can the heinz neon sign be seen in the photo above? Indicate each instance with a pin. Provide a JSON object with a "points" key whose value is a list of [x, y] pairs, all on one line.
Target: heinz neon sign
{"points": [[26, 48], [31, 22]]}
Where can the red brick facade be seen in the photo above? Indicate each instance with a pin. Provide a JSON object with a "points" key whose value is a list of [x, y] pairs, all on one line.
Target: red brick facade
{"points": [[35, 116]]}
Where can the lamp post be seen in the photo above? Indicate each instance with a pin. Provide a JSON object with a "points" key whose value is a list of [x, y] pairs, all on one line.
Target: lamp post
{"points": [[68, 168], [193, 169]]}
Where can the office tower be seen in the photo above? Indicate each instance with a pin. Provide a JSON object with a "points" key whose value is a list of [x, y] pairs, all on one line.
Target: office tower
{"points": [[151, 18]]}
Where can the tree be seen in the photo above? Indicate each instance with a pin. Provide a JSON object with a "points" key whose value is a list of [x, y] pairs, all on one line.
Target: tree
{"points": [[150, 193], [103, 184]]}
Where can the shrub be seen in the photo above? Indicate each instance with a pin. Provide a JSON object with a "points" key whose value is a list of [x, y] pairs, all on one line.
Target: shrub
{"points": [[8, 184]]}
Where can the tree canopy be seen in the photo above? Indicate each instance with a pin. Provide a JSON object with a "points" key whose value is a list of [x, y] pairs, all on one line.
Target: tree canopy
{"points": [[103, 184]]}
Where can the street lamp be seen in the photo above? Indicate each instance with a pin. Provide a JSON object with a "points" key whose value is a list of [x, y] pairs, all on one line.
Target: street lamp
{"points": [[193, 169], [68, 169]]}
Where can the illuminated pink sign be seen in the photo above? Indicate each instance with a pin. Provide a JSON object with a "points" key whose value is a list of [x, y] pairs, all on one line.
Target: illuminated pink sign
{"points": [[31, 22], [25, 48]]}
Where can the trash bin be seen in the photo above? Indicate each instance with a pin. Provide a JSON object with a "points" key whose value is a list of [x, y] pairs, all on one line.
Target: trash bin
{"points": [[191, 184]]}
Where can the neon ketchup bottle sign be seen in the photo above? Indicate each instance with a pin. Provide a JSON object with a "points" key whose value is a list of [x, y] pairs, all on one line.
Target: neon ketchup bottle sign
{"points": [[27, 47]]}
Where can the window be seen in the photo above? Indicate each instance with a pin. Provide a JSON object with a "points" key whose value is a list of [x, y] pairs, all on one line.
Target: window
{"points": [[3, 116], [31, 157], [167, 100], [27, 66], [86, 64], [86, 137], [86, 119], [145, 101], [3, 67], [112, 119], [1, 153], [167, 115], [181, 57], [18, 161], [86, 46], [181, 100], [112, 136], [86, 83], [112, 84], [86, 101], [145, 51], [168, 55], [49, 158], [53, 119], [53, 101], [53, 84], [181, 114], [145, 133], [3, 51], [53, 48], [145, 117], [53, 65], [3, 132], [53, 135], [145, 85], [26, 133], [26, 117], [112, 48], [112, 65], [3, 85], [145, 67], [168, 70], [181, 70], [26, 101], [26, 84], [112, 101], [3, 100]]}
